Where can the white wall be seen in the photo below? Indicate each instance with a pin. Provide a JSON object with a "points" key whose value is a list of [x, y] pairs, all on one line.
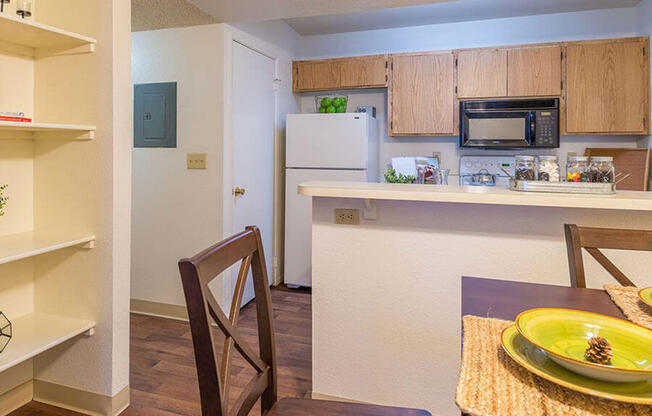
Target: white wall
{"points": [[177, 212], [509, 31]]}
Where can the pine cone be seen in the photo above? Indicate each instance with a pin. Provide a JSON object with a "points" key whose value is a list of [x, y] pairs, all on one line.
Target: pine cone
{"points": [[599, 351]]}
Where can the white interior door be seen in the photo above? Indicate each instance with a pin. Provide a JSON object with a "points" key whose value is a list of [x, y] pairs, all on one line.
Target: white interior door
{"points": [[254, 115]]}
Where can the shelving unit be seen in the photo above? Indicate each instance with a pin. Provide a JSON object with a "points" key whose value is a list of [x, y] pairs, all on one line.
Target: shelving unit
{"points": [[18, 130], [24, 245], [38, 332], [41, 39], [58, 197]]}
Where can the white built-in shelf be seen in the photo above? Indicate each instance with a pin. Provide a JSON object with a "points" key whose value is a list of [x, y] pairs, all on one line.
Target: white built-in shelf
{"points": [[38, 332], [42, 39], [18, 130], [24, 245]]}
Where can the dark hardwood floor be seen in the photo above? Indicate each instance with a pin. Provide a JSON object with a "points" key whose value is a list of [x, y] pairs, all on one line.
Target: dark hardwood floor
{"points": [[163, 375]]}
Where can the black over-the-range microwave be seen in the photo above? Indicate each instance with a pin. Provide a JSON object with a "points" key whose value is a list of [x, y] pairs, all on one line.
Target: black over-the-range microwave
{"points": [[515, 124]]}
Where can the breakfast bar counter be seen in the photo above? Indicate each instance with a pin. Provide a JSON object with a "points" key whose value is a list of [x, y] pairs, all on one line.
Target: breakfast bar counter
{"points": [[621, 200], [387, 291]]}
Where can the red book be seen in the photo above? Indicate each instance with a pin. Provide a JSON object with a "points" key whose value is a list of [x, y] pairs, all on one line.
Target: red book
{"points": [[17, 119]]}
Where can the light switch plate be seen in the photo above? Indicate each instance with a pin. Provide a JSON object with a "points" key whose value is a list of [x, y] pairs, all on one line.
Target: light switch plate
{"points": [[196, 160]]}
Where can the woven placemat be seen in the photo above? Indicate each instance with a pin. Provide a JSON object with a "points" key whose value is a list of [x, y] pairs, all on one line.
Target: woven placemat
{"points": [[626, 297], [492, 384]]}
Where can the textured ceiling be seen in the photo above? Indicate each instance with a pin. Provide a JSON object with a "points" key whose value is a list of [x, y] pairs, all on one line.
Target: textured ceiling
{"points": [[443, 12], [232, 11], [161, 14]]}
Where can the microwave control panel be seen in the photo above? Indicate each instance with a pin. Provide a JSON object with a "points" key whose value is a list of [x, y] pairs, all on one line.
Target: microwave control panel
{"points": [[547, 128]]}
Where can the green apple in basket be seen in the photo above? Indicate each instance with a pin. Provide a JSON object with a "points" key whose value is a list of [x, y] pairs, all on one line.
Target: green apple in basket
{"points": [[326, 101]]}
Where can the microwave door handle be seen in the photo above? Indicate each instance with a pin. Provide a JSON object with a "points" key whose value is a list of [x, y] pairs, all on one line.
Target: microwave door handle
{"points": [[533, 128]]}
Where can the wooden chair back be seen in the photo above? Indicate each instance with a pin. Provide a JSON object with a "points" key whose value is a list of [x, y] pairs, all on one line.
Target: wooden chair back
{"points": [[592, 240], [196, 273]]}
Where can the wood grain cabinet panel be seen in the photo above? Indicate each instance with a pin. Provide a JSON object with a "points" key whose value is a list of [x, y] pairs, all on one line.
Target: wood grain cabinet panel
{"points": [[482, 73], [608, 87], [340, 73], [534, 71], [364, 72], [316, 75], [422, 95]]}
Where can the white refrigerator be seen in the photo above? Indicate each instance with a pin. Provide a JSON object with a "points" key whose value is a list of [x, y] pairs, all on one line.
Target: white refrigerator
{"points": [[325, 147]]}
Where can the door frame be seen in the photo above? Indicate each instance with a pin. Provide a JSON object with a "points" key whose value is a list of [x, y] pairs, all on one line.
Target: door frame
{"points": [[232, 35]]}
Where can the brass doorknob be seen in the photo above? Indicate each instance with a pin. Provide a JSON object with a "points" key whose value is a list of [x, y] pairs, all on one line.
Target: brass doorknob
{"points": [[237, 191]]}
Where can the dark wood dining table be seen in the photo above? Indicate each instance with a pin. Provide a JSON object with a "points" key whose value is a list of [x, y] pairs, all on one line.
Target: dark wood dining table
{"points": [[502, 299]]}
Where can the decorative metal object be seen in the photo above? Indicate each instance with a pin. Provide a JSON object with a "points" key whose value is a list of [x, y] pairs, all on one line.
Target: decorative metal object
{"points": [[24, 8], [2, 5], [5, 331]]}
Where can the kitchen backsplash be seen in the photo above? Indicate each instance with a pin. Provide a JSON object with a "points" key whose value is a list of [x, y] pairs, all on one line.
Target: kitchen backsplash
{"points": [[448, 146]]}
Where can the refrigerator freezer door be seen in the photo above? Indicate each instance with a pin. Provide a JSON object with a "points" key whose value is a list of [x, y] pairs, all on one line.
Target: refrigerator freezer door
{"points": [[331, 141], [298, 220]]}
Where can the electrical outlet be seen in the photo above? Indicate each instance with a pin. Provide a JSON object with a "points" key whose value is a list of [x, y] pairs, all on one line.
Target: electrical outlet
{"points": [[196, 160], [347, 216]]}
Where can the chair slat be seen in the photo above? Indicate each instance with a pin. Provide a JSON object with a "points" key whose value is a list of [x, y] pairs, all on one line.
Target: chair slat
{"points": [[610, 238], [225, 370], [610, 267], [592, 239], [250, 395]]}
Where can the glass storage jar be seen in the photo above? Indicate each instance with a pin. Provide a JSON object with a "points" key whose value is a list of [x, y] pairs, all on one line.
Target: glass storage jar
{"points": [[524, 170], [548, 169], [577, 169], [602, 169]]}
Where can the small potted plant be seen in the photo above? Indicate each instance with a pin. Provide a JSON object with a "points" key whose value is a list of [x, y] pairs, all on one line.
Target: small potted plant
{"points": [[3, 199]]}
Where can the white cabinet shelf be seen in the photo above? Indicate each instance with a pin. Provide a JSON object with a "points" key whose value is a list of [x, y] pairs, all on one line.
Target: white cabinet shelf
{"points": [[23, 245], [38, 332], [42, 39], [18, 130]]}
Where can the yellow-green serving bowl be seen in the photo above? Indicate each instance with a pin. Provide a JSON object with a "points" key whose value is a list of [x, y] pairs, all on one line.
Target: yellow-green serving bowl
{"points": [[564, 334], [536, 361], [646, 295]]}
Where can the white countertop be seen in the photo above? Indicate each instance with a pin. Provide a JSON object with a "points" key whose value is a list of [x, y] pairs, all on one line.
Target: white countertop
{"points": [[622, 200]]}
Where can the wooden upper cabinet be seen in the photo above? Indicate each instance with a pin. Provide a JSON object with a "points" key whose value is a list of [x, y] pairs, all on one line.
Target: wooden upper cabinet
{"points": [[316, 75], [482, 73], [534, 71], [364, 72], [340, 73], [422, 95], [608, 87]]}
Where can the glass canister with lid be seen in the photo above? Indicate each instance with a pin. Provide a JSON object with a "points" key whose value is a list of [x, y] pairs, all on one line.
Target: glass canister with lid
{"points": [[602, 169], [577, 169], [548, 169], [525, 168]]}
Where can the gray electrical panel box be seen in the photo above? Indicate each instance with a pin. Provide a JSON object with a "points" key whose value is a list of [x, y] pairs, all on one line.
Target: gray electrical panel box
{"points": [[155, 115]]}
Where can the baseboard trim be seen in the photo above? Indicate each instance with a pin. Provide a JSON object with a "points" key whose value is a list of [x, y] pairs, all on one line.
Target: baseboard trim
{"points": [[162, 310], [81, 401], [17, 397], [319, 396]]}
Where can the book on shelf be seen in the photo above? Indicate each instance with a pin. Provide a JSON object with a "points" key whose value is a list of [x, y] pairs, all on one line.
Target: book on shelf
{"points": [[16, 119]]}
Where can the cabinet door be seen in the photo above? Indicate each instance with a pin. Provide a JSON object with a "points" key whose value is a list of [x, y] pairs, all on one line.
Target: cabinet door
{"points": [[482, 73], [316, 75], [607, 87], [364, 72], [422, 97], [534, 71]]}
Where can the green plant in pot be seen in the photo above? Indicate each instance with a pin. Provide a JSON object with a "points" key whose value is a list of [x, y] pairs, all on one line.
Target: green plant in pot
{"points": [[3, 199], [392, 177]]}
